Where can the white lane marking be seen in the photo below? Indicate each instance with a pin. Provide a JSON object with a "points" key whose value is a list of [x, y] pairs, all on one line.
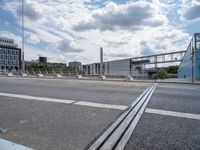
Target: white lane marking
{"points": [[83, 103], [7, 145], [173, 113], [37, 98], [100, 105]]}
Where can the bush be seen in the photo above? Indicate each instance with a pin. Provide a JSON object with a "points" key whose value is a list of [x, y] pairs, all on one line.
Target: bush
{"points": [[172, 69], [162, 75]]}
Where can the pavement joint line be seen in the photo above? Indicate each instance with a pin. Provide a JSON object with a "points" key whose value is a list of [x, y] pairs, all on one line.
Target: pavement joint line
{"points": [[172, 113], [113, 137], [122, 143], [72, 102], [8, 145], [101, 138]]}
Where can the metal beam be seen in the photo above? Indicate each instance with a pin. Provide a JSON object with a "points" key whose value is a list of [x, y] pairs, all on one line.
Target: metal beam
{"points": [[178, 52]]}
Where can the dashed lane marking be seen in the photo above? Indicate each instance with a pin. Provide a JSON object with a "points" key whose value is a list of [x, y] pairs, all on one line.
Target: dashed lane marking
{"points": [[172, 113], [99, 105], [37, 98], [64, 101]]}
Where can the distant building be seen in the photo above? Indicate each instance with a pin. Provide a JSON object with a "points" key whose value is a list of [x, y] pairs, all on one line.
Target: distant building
{"points": [[123, 67], [56, 65], [191, 57], [42, 60], [75, 64], [10, 55]]}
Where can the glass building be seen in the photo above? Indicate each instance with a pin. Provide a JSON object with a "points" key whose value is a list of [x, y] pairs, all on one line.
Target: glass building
{"points": [[10, 55], [190, 64]]}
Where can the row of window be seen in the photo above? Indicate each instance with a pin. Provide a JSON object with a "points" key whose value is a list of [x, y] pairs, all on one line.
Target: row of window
{"points": [[6, 45], [9, 62], [198, 45], [9, 67], [197, 37], [198, 41], [2, 56], [6, 41], [9, 51]]}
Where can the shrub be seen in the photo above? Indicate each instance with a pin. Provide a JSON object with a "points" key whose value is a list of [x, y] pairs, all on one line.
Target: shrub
{"points": [[162, 75]]}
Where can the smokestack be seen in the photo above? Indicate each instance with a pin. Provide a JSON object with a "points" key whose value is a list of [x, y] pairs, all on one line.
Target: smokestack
{"points": [[101, 62]]}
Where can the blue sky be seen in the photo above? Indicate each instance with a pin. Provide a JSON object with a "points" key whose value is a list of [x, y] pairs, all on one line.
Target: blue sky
{"points": [[69, 30]]}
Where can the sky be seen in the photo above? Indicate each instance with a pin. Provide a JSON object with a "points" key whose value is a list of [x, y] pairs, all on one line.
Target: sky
{"points": [[74, 30]]}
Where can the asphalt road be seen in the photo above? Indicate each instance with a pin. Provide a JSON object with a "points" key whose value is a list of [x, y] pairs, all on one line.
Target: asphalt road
{"points": [[156, 131], [110, 92], [44, 124], [56, 126]]}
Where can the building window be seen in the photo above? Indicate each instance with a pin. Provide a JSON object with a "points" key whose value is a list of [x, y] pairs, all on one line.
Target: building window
{"points": [[198, 45], [197, 37]]}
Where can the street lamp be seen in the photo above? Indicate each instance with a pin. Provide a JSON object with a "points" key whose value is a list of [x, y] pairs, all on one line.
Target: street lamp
{"points": [[22, 52]]}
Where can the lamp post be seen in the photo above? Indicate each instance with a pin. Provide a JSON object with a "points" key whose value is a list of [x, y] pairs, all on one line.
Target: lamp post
{"points": [[22, 52], [193, 58], [192, 64], [101, 62]]}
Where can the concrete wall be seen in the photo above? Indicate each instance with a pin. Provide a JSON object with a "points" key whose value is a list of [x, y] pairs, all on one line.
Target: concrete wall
{"points": [[117, 68]]}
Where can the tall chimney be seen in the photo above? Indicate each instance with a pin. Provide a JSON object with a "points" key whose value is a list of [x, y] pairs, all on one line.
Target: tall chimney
{"points": [[101, 62]]}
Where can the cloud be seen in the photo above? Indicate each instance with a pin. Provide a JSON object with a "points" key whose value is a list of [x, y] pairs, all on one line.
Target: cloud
{"points": [[52, 23], [17, 38], [190, 9], [146, 49], [33, 39], [132, 16], [115, 43], [32, 10], [121, 55], [66, 46], [169, 40]]}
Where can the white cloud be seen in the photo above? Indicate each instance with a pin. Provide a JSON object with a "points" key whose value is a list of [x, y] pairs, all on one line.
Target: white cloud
{"points": [[32, 10], [118, 55], [127, 29], [190, 9], [132, 16], [10, 35], [33, 39], [66, 46]]}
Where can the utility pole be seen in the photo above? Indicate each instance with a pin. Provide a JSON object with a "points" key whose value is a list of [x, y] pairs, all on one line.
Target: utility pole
{"points": [[101, 62], [22, 52], [192, 64], [193, 57]]}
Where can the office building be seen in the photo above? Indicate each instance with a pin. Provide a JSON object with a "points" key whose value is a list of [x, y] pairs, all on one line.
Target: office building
{"points": [[75, 64], [43, 60], [10, 55], [125, 67], [190, 64]]}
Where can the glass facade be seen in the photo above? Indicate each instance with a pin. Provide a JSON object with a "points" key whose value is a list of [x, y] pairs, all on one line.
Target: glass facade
{"points": [[197, 41], [191, 56], [10, 55]]}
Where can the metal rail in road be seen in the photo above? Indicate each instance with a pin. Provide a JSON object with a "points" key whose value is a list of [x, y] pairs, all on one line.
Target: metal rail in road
{"points": [[117, 135]]}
